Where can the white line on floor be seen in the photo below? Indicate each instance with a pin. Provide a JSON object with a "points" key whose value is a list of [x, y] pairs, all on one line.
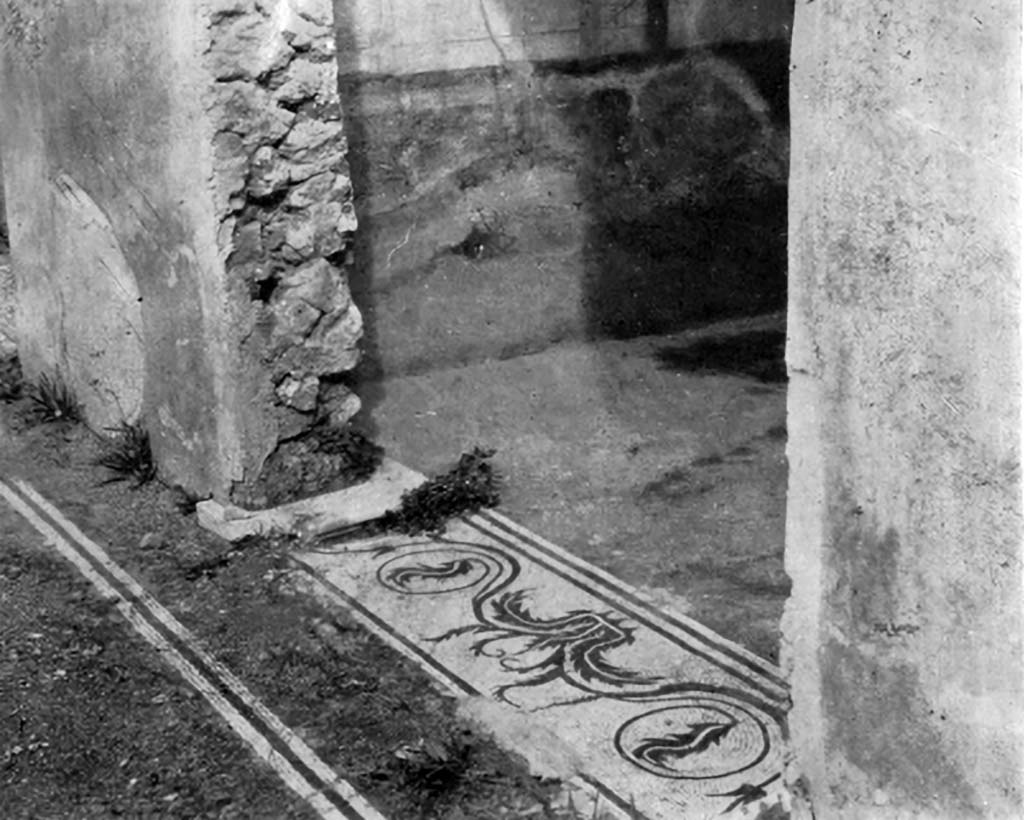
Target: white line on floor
{"points": [[275, 743]]}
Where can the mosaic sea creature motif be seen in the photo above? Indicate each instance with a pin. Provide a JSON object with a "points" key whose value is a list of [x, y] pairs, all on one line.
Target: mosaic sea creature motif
{"points": [[668, 713], [698, 731]]}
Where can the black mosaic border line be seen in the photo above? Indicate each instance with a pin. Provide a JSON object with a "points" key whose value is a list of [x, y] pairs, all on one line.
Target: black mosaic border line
{"points": [[774, 706], [455, 682]]}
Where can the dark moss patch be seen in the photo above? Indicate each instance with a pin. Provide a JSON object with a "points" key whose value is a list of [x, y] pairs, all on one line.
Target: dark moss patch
{"points": [[677, 483], [487, 238], [323, 460], [11, 379], [475, 174], [759, 354]]}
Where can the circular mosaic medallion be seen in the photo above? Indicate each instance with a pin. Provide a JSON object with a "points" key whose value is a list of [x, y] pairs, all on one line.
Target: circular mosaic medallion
{"points": [[701, 739], [431, 572]]}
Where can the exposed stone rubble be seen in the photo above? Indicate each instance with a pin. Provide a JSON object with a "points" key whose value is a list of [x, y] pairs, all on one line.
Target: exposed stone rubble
{"points": [[283, 191], [7, 302]]}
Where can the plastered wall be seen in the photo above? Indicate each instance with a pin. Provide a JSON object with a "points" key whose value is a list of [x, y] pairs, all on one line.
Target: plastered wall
{"points": [[410, 36], [903, 633], [111, 239], [180, 211]]}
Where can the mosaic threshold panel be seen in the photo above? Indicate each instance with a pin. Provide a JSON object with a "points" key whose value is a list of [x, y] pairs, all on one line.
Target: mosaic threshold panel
{"points": [[668, 719]]}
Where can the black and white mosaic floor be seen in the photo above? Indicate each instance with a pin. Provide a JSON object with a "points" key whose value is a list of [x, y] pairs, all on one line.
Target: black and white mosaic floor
{"points": [[667, 719]]}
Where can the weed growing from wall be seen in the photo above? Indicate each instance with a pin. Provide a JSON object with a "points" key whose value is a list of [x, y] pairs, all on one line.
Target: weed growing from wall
{"points": [[470, 486], [467, 488], [52, 400]]}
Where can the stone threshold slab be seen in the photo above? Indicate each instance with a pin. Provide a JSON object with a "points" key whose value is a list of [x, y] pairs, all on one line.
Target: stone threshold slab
{"points": [[641, 708], [310, 516]]}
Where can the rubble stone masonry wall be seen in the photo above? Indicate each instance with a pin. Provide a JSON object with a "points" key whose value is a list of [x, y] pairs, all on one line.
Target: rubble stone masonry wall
{"points": [[284, 201]]}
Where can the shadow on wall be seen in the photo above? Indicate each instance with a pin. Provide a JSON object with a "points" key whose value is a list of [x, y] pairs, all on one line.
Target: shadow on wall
{"points": [[759, 354], [684, 194], [362, 262], [676, 209]]}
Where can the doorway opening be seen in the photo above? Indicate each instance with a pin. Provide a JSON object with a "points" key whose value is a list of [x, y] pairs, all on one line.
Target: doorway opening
{"points": [[572, 249]]}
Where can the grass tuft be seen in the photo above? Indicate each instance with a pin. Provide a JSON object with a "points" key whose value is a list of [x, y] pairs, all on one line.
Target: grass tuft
{"points": [[470, 486], [52, 400], [434, 767], [358, 456], [128, 455]]}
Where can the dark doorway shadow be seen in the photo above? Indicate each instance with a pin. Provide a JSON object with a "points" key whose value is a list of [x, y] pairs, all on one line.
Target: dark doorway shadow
{"points": [[759, 354], [361, 264], [683, 225]]}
